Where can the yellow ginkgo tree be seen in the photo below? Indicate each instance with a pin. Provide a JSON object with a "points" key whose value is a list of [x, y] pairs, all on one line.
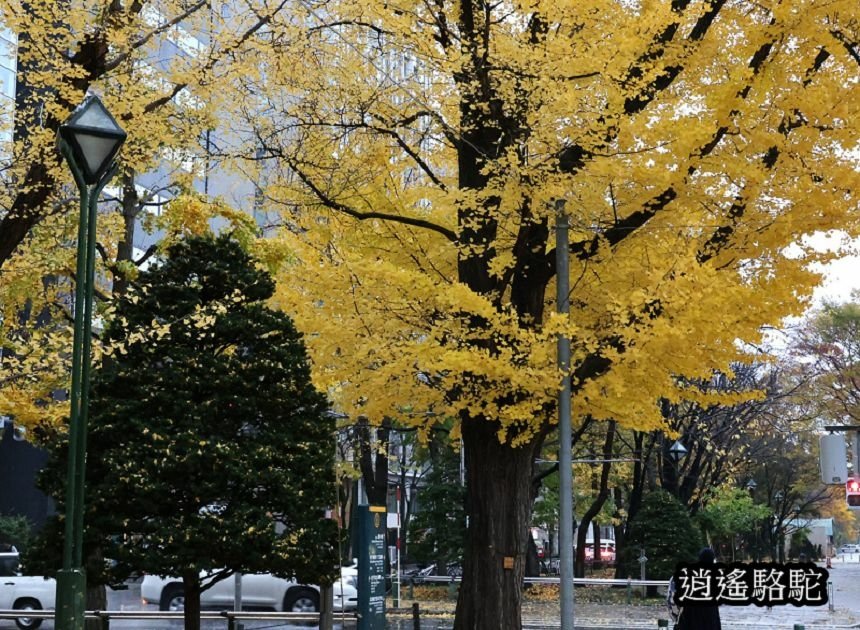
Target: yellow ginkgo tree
{"points": [[157, 65], [419, 152]]}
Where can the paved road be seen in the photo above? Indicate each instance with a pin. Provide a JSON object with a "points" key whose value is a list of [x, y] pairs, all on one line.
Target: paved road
{"points": [[129, 600]]}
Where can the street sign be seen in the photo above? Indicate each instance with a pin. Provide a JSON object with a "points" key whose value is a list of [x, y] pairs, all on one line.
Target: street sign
{"points": [[371, 567]]}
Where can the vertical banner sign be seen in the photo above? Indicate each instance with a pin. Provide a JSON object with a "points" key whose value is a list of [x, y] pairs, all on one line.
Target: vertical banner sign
{"points": [[371, 567]]}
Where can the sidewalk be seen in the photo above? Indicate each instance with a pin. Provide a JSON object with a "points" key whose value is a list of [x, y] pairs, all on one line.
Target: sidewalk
{"points": [[594, 616], [539, 614], [590, 616]]}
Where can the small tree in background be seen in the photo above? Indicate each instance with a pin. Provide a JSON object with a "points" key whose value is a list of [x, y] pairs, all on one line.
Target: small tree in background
{"points": [[664, 529], [729, 513], [437, 531], [209, 448], [15, 531]]}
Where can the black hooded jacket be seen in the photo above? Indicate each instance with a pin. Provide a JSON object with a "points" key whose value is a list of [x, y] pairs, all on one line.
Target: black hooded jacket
{"points": [[701, 617]]}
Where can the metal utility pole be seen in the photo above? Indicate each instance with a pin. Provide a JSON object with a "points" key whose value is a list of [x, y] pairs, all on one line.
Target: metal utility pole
{"points": [[855, 471], [565, 434]]}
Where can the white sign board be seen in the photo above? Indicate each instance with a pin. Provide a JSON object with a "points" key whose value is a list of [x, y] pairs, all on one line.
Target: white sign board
{"points": [[834, 459]]}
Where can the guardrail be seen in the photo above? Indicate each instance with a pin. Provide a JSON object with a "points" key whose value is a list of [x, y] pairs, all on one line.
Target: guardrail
{"points": [[230, 616]]}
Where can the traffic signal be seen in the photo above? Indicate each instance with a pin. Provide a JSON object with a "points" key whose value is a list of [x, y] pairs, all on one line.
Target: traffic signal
{"points": [[852, 493]]}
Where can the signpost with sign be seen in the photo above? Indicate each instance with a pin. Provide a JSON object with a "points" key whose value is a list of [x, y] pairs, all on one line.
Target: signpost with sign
{"points": [[372, 523]]}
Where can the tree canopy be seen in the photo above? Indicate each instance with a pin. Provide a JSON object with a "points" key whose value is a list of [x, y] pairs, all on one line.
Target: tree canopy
{"points": [[426, 165], [826, 352], [420, 158], [158, 66]]}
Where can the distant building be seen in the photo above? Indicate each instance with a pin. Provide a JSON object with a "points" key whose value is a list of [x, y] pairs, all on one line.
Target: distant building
{"points": [[8, 68], [20, 462], [820, 532]]}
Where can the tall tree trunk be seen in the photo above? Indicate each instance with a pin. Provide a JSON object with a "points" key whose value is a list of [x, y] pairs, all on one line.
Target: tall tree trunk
{"points": [[579, 548], [498, 498], [404, 505], [347, 491], [409, 508], [642, 452], [191, 587], [96, 600], [374, 460], [617, 518], [96, 595], [594, 509], [125, 247]]}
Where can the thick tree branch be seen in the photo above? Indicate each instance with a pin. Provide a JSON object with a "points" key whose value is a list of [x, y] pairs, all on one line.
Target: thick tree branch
{"points": [[373, 27], [664, 79], [330, 203], [623, 228], [573, 157], [850, 47]]}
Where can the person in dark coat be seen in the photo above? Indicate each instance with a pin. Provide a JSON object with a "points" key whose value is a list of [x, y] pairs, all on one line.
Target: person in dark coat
{"points": [[706, 617]]}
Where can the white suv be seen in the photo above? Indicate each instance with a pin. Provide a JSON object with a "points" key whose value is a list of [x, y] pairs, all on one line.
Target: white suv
{"points": [[259, 590], [22, 592]]}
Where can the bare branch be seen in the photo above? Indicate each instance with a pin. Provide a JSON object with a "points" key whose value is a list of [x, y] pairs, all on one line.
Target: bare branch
{"points": [[368, 25], [140, 41]]}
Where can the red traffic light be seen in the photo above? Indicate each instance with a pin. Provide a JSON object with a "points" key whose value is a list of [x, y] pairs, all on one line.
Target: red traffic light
{"points": [[852, 494]]}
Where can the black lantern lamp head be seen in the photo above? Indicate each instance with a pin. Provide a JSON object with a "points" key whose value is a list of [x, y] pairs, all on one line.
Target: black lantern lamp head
{"points": [[94, 137], [677, 451]]}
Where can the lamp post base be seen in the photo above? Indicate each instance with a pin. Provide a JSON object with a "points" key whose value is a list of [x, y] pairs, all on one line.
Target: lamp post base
{"points": [[71, 599]]}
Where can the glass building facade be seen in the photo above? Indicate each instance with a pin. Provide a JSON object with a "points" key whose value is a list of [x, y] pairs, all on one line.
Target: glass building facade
{"points": [[8, 65]]}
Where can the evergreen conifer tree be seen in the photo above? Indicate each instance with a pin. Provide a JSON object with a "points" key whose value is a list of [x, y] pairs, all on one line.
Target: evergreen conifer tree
{"points": [[437, 532], [663, 528], [209, 449]]}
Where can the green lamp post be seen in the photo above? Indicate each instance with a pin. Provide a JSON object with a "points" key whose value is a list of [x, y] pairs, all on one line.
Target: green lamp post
{"points": [[89, 140]]}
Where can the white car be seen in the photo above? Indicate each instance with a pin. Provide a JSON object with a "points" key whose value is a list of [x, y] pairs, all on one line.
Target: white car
{"points": [[24, 592], [259, 590]]}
